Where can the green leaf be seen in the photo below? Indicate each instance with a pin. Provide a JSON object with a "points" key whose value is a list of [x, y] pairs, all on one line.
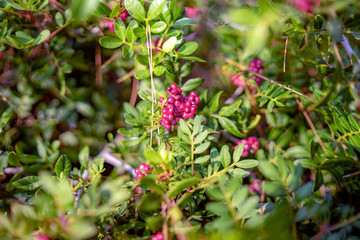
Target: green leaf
{"points": [[130, 35], [63, 165], [5, 117], [192, 58], [84, 157], [82, 9], [318, 180], [158, 27], [202, 148], [120, 29], [169, 45], [304, 191], [180, 186], [201, 137], [274, 189], [192, 84], [239, 173], [128, 52], [230, 126], [188, 48], [110, 42], [214, 103], [159, 70], [183, 22], [140, 32], [293, 180], [155, 9], [254, 122], [27, 183], [238, 152], [225, 156], [135, 9], [269, 170], [197, 126], [184, 127], [44, 34], [227, 111], [248, 163], [152, 156], [13, 159], [15, 5], [202, 159], [59, 19]]}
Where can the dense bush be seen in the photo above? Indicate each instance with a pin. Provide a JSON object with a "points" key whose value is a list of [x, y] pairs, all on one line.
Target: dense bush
{"points": [[173, 119]]}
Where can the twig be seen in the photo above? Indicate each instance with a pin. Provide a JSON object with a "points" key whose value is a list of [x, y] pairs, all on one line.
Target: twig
{"points": [[348, 48], [285, 51], [301, 108], [265, 78], [112, 58], [352, 174], [134, 90], [126, 76], [234, 96], [98, 74]]}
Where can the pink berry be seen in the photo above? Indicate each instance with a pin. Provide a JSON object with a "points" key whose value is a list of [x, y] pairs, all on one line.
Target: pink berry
{"points": [[197, 99], [193, 93], [193, 109], [141, 175], [174, 92], [173, 86], [138, 190], [159, 236], [245, 154], [137, 171], [165, 111], [179, 91], [171, 100], [170, 117], [191, 115], [168, 127], [177, 103], [161, 100], [142, 166], [147, 168]]}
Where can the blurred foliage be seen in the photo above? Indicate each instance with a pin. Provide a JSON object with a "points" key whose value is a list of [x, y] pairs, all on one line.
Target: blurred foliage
{"points": [[78, 112]]}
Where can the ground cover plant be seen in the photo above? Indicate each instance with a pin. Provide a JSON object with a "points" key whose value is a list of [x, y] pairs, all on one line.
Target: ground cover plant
{"points": [[167, 119]]}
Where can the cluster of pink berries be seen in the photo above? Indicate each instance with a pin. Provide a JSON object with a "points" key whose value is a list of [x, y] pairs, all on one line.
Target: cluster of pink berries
{"points": [[110, 23], [158, 236], [142, 170], [251, 145], [177, 106], [255, 66]]}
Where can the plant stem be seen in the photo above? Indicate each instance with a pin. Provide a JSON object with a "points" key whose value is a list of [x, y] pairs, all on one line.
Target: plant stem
{"points": [[192, 154]]}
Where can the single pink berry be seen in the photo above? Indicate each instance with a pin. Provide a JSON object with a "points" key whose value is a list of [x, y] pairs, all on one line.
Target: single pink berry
{"points": [[147, 168], [142, 167], [137, 171], [168, 127], [173, 86]]}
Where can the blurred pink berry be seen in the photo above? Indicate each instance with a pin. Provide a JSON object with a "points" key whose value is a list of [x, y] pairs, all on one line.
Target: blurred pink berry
{"points": [[305, 5], [191, 12], [158, 236], [255, 186]]}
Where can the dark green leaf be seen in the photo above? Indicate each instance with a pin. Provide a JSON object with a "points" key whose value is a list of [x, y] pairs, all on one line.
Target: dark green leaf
{"points": [[230, 126], [188, 48], [183, 22], [227, 111], [63, 165], [180, 186], [214, 103], [202, 148], [225, 156], [192, 84], [27, 183], [248, 163]]}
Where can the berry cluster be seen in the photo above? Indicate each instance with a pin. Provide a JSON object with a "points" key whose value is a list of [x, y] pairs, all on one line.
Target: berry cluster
{"points": [[251, 145], [255, 66], [158, 236], [142, 170], [177, 106]]}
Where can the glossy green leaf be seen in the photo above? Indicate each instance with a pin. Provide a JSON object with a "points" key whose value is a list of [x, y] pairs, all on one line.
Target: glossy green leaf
{"points": [[63, 165], [248, 163], [188, 48], [135, 9], [169, 45], [183, 22], [184, 127], [110, 42], [84, 157], [214, 103], [5, 117], [239, 173], [158, 27], [230, 126], [202, 159], [192, 84], [27, 183], [13, 159], [201, 137], [120, 29], [202, 148], [225, 156], [227, 111], [155, 9]]}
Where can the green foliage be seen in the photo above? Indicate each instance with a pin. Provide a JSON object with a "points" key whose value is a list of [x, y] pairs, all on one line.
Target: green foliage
{"points": [[272, 156]]}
